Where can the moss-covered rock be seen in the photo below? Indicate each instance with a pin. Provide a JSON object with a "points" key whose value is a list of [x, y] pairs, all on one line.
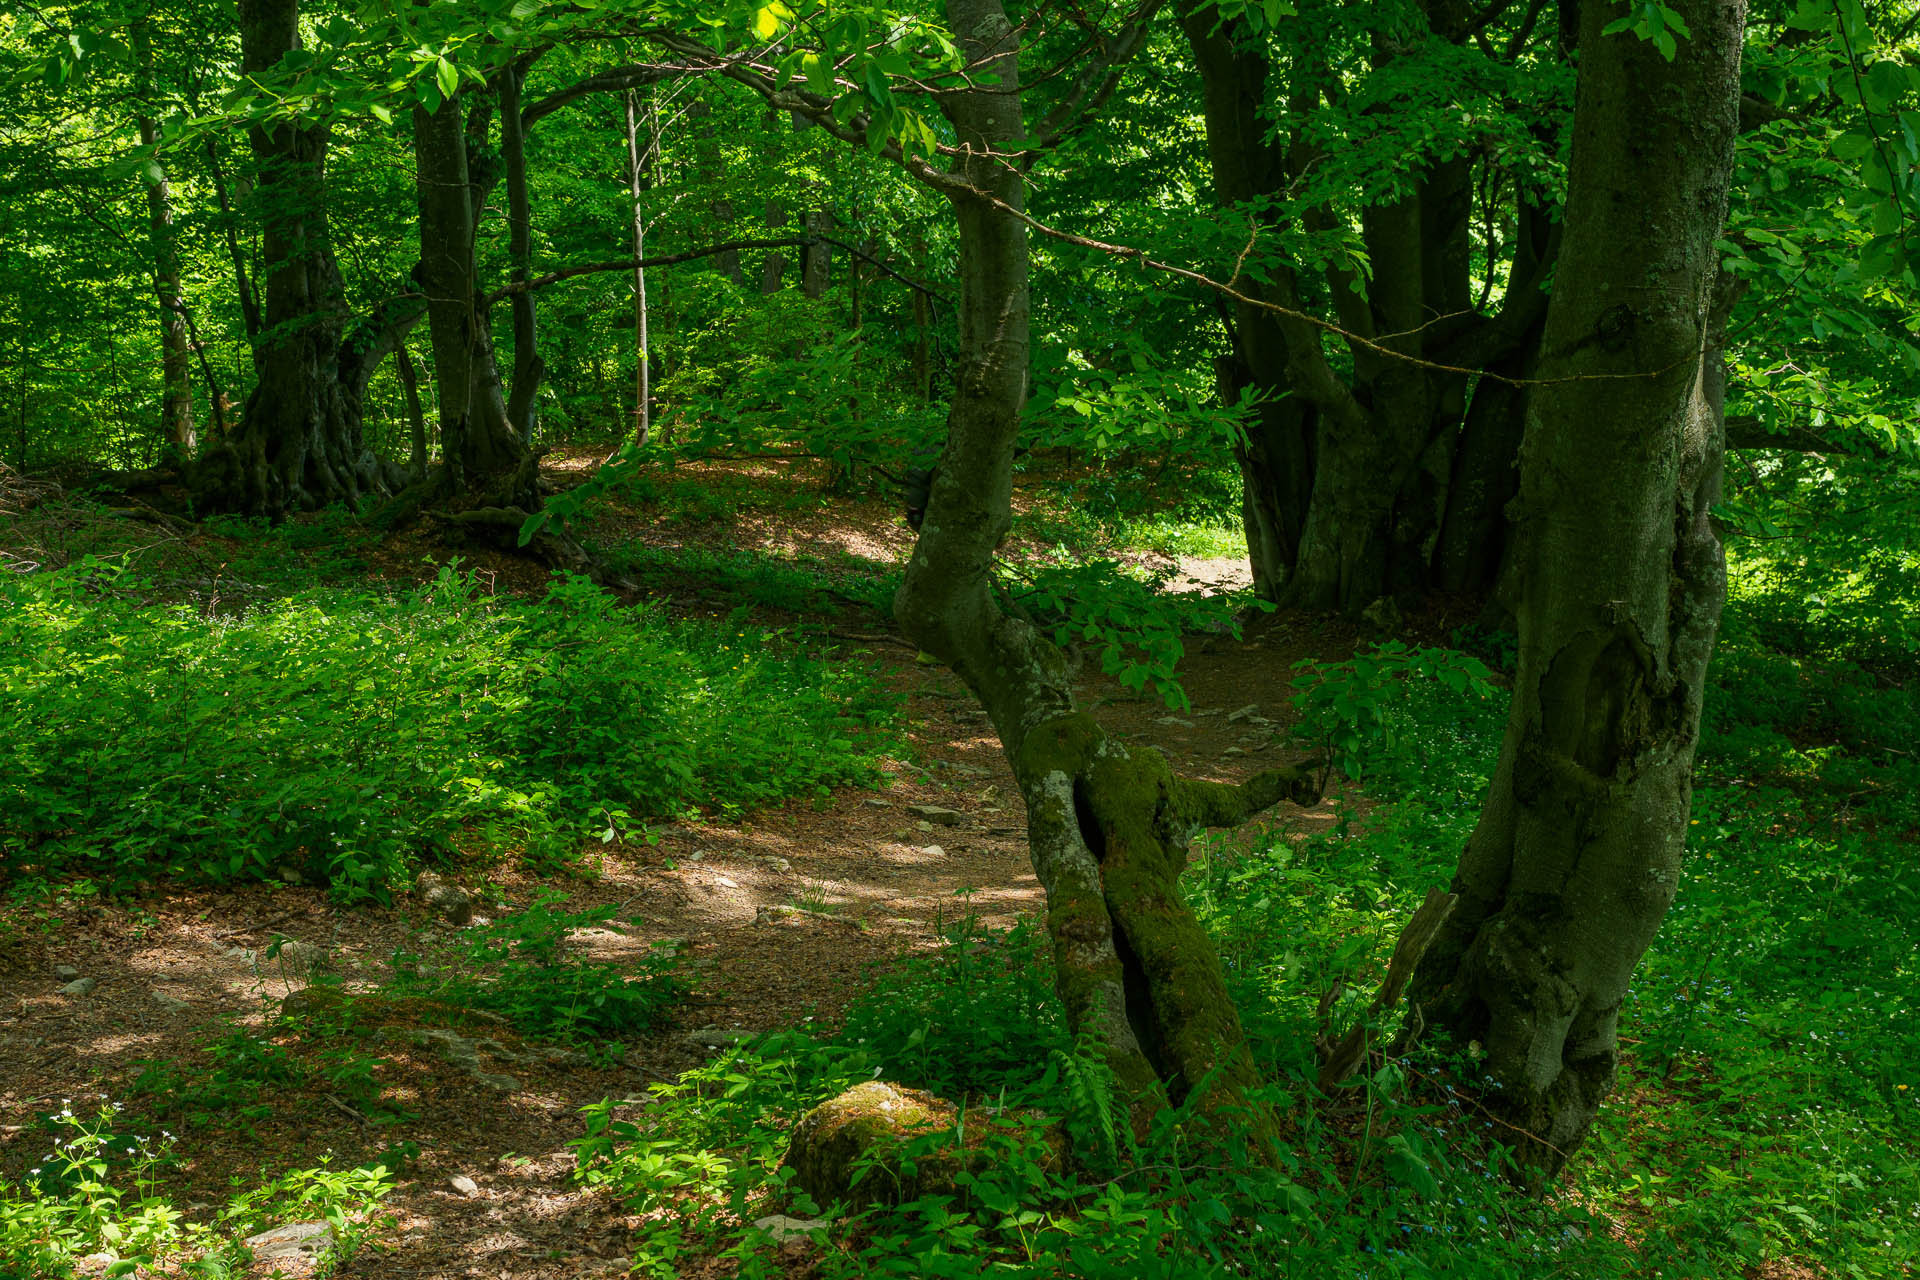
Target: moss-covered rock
{"points": [[917, 1143]]}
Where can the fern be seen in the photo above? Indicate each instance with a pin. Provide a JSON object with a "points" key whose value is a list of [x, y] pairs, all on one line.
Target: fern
{"points": [[1089, 1085]]}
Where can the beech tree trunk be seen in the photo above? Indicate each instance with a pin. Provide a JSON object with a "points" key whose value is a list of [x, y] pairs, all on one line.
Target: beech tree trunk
{"points": [[1348, 479], [176, 358], [528, 367], [1107, 825], [477, 441], [298, 444], [1577, 853]]}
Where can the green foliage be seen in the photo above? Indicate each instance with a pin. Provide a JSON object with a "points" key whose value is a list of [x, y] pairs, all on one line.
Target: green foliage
{"points": [[101, 1189], [1136, 629], [977, 1018], [1358, 712], [343, 735], [521, 968]]}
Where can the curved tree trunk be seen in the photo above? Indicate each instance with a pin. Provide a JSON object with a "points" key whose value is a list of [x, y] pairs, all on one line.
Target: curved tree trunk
{"points": [[298, 444], [1577, 854], [1107, 826]]}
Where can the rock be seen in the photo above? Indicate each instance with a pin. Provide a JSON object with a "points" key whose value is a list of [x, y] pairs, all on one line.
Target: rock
{"points": [[239, 953], [314, 1002], [777, 864], [447, 900], [726, 882], [289, 874], [1383, 615], [934, 851], [172, 1004], [923, 826], [939, 815], [780, 1228], [878, 803], [80, 987], [712, 1039], [866, 1120], [1234, 751], [963, 769], [65, 972], [1251, 709], [299, 959], [464, 1185], [1174, 722], [295, 1240]]}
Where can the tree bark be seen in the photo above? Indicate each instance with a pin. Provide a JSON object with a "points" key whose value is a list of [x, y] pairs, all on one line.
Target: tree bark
{"points": [[298, 445], [176, 356], [477, 441], [1107, 825], [637, 159], [1577, 853], [528, 367]]}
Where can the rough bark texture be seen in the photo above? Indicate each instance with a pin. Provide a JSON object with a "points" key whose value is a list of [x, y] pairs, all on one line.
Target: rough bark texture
{"points": [[176, 360], [1107, 826], [1347, 479], [477, 440], [1577, 853], [528, 367], [298, 443]]}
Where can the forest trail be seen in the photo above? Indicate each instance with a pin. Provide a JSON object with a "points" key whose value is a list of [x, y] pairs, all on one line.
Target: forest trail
{"points": [[779, 917]]}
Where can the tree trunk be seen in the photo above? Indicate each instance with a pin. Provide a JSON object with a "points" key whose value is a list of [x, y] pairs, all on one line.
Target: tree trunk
{"points": [[528, 367], [477, 441], [1577, 853], [176, 358], [774, 269], [416, 417], [298, 444], [1107, 826], [637, 159]]}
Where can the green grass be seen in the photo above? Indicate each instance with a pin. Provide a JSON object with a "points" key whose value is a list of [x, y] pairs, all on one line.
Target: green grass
{"points": [[1767, 1106], [344, 735]]}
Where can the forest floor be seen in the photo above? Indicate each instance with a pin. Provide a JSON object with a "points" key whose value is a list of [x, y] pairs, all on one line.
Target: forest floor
{"points": [[779, 917]]}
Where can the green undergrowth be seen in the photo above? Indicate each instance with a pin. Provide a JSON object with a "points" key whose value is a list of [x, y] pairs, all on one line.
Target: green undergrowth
{"points": [[521, 968], [106, 1199], [799, 585], [1763, 1124], [342, 735]]}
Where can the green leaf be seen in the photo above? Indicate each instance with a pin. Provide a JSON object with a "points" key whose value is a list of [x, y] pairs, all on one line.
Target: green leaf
{"points": [[446, 76]]}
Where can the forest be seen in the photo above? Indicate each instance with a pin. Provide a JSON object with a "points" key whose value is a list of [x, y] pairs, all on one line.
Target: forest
{"points": [[1156, 638]]}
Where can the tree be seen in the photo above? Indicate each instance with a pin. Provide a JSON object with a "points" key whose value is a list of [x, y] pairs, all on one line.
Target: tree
{"points": [[298, 445], [1381, 469], [1577, 853]]}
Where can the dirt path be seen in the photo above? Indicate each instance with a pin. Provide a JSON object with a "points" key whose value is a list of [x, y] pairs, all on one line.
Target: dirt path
{"points": [[779, 916]]}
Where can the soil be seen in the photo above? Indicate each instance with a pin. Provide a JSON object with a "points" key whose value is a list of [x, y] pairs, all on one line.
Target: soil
{"points": [[780, 917]]}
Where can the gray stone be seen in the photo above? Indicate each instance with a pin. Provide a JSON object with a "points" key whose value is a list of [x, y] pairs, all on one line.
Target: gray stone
{"points": [[712, 1039], [1174, 722], [878, 803], [1246, 712], [464, 1185], [1383, 615], [299, 959], [447, 900], [934, 851], [780, 1228], [963, 769], [65, 972], [295, 1240], [939, 815], [79, 987], [172, 1004]]}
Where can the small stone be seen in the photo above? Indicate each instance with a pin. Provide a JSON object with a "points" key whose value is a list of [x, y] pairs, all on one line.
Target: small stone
{"points": [[780, 1228], [448, 900], [726, 882], [1174, 722], [299, 959], [1383, 615], [295, 1240], [1251, 709], [65, 972], [505, 1084], [172, 1004], [878, 803], [1234, 751], [239, 953], [923, 826], [778, 864], [79, 987], [963, 769], [464, 1185], [712, 1039], [934, 851], [939, 815]]}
